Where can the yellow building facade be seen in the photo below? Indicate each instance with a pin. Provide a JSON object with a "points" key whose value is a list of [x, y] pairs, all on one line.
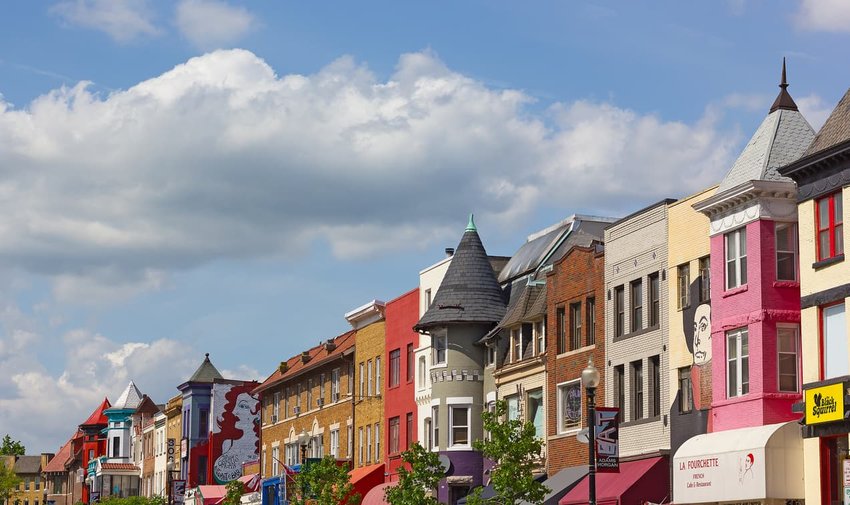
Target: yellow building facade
{"points": [[822, 176], [369, 378]]}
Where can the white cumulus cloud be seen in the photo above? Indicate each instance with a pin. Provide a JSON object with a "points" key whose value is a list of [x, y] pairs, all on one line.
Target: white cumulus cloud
{"points": [[221, 158], [209, 24], [824, 15], [123, 20]]}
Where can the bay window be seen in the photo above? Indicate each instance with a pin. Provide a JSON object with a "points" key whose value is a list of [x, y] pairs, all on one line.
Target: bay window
{"points": [[737, 362], [786, 251], [788, 358], [459, 420], [736, 258]]}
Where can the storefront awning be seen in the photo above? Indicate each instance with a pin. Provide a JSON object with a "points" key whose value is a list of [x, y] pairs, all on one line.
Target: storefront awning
{"points": [[744, 464], [363, 479], [376, 495], [640, 481], [561, 483]]}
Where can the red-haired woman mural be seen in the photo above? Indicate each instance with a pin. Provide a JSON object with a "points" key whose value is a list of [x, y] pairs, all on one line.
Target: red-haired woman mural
{"points": [[237, 429]]}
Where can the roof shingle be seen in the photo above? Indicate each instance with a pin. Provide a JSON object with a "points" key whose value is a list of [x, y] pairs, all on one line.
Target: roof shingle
{"points": [[836, 129], [469, 292]]}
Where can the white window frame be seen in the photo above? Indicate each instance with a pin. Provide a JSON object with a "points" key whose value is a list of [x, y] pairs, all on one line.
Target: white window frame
{"points": [[560, 405], [362, 379], [441, 336], [360, 446], [737, 237], [275, 458], [737, 362], [370, 376], [796, 329], [335, 385], [335, 443], [368, 443], [516, 344], [377, 442], [435, 427], [276, 407], [468, 409], [423, 372], [377, 376], [539, 337], [792, 229]]}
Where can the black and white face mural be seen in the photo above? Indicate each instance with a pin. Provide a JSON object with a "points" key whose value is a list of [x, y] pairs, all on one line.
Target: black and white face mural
{"points": [[696, 322]]}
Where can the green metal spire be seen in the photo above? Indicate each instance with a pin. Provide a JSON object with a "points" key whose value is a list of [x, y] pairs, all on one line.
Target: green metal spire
{"points": [[471, 225]]}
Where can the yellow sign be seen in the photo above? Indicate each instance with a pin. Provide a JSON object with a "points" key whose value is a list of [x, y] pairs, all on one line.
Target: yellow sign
{"points": [[825, 404]]}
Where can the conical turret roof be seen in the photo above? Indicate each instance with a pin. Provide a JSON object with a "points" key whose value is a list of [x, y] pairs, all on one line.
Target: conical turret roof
{"points": [[130, 398], [836, 129], [98, 417], [780, 139], [469, 292], [207, 372]]}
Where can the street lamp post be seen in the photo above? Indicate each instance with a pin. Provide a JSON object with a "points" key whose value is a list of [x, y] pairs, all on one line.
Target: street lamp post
{"points": [[590, 380], [303, 438]]}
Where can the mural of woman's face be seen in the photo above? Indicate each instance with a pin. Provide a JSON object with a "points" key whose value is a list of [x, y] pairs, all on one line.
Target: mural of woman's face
{"points": [[244, 408], [702, 334]]}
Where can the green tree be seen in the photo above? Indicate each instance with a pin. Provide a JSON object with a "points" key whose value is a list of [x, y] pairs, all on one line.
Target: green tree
{"points": [[234, 493], [323, 483], [9, 482], [514, 449], [11, 447], [417, 478]]}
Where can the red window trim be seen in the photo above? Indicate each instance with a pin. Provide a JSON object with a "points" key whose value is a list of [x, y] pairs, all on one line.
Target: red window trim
{"points": [[830, 199]]}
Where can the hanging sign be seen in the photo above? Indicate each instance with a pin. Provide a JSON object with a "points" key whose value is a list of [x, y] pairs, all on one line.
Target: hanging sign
{"points": [[825, 404], [607, 427]]}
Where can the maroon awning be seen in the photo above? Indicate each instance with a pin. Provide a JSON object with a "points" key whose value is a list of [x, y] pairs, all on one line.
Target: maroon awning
{"points": [[638, 482]]}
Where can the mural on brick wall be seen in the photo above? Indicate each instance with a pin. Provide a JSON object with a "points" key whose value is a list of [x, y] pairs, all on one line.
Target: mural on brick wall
{"points": [[696, 323], [235, 430]]}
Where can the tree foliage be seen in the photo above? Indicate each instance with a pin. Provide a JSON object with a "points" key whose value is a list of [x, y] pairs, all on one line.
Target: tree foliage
{"points": [[323, 483], [234, 493], [11, 447], [418, 477], [515, 450], [133, 500], [9, 482]]}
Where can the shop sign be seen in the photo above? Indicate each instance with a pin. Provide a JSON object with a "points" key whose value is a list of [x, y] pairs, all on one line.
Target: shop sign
{"points": [[607, 429], [825, 404], [178, 491], [846, 464], [184, 448], [171, 448], [737, 476]]}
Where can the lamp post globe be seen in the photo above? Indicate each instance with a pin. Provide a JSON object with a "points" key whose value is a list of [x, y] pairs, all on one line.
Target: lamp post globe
{"points": [[590, 375]]}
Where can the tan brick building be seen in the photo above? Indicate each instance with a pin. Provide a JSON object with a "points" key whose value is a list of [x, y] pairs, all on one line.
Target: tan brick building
{"points": [[307, 402], [32, 489], [368, 321], [173, 431]]}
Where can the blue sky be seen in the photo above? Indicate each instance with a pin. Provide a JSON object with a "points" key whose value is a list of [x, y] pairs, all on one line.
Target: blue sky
{"points": [[232, 177]]}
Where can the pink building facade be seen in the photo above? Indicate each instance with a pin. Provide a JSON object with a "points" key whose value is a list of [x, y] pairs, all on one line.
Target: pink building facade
{"points": [[755, 288]]}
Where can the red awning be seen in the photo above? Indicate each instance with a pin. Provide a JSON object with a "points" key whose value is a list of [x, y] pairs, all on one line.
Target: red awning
{"points": [[644, 480], [366, 477], [376, 495]]}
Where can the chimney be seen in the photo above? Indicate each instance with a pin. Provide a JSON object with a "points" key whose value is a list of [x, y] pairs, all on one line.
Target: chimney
{"points": [[450, 251], [284, 366], [330, 345], [305, 356]]}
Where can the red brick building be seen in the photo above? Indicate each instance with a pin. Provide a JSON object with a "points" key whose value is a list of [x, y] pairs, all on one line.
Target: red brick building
{"points": [[576, 332], [399, 403]]}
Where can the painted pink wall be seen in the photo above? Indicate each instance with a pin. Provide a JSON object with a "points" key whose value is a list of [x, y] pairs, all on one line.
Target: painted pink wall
{"points": [[760, 305]]}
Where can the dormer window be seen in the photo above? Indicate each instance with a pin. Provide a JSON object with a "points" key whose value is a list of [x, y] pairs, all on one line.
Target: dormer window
{"points": [[439, 343]]}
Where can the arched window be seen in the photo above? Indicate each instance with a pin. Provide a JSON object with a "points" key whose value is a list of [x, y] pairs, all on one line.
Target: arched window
{"points": [[421, 372]]}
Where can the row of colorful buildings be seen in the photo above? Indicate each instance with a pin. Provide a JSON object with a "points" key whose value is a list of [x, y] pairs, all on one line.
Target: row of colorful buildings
{"points": [[716, 322]]}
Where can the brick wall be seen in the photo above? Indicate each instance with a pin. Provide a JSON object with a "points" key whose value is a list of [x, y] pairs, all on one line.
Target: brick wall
{"points": [[369, 408], [579, 275]]}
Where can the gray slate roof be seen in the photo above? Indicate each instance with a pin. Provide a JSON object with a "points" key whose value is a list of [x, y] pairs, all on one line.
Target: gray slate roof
{"points": [[207, 372], [469, 292], [547, 246], [835, 130], [780, 139], [27, 464], [129, 399]]}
